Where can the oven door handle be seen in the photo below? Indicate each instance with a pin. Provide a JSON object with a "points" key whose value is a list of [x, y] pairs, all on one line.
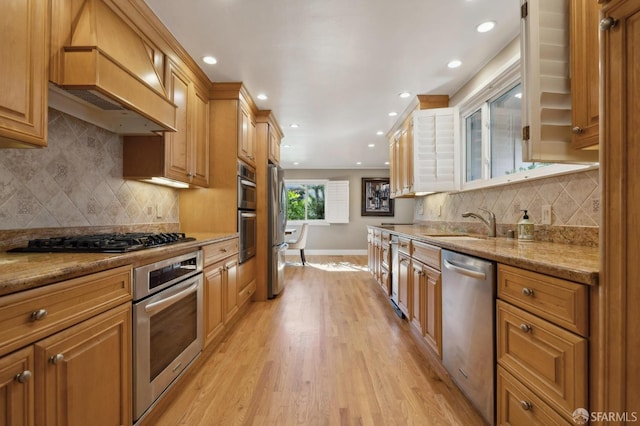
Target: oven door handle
{"points": [[158, 306], [247, 214], [247, 183]]}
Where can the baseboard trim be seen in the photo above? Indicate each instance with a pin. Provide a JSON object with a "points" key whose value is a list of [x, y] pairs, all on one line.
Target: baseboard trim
{"points": [[328, 252]]}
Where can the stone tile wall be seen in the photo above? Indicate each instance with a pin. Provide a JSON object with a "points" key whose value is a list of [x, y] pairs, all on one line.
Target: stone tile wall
{"points": [[77, 182], [574, 199]]}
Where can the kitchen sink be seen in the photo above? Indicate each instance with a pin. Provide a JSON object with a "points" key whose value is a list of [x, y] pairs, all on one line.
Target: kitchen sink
{"points": [[451, 236]]}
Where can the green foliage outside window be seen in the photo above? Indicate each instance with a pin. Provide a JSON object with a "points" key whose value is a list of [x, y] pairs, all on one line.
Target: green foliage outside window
{"points": [[305, 201]]}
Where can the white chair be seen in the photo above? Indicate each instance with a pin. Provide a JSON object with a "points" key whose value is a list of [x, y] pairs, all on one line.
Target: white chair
{"points": [[301, 242]]}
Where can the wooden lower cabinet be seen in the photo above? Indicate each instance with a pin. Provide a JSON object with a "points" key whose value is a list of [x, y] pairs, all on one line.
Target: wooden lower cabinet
{"points": [[517, 405], [17, 388], [213, 322], [432, 288]]}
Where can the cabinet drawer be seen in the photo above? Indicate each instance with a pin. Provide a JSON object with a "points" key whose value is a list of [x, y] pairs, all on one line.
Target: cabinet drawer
{"points": [[427, 254], [245, 294], [404, 246], [562, 302], [517, 405], [549, 360], [218, 251], [61, 305]]}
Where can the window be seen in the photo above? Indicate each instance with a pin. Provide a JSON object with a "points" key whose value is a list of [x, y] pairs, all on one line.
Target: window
{"points": [[317, 201], [305, 201], [491, 125]]}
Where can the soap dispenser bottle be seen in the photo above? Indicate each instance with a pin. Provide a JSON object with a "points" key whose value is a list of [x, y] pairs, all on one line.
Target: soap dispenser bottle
{"points": [[525, 228]]}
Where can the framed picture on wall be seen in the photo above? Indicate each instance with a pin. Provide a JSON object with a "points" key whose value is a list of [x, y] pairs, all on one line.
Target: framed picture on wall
{"points": [[376, 200]]}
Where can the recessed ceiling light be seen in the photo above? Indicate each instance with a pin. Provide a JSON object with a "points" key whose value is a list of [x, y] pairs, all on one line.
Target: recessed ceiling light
{"points": [[262, 97], [371, 145], [404, 94], [379, 133], [518, 95], [359, 163], [294, 125], [486, 26], [295, 163], [386, 163], [454, 64], [209, 60], [393, 114], [286, 146]]}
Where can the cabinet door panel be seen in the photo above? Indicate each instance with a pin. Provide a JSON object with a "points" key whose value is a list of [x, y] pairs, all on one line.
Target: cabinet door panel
{"points": [[91, 383], [212, 291], [404, 277], [432, 289], [231, 289], [200, 139], [177, 148], [23, 86], [16, 398]]}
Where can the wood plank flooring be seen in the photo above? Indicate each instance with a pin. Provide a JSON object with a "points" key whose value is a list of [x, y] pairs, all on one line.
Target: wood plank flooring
{"points": [[328, 351]]}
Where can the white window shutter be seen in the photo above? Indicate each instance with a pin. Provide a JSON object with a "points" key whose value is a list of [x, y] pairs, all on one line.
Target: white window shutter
{"points": [[337, 201], [546, 106], [435, 149]]}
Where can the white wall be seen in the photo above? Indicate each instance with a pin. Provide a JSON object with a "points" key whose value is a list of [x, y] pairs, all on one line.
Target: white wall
{"points": [[352, 236]]}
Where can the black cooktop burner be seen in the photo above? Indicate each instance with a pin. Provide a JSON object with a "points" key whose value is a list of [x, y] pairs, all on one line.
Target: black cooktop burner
{"points": [[103, 243]]}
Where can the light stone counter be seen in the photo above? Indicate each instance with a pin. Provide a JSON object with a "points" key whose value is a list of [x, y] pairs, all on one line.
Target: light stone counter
{"points": [[22, 271], [572, 262]]}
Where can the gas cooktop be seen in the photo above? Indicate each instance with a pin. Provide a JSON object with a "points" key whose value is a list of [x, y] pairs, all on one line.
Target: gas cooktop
{"points": [[102, 243]]}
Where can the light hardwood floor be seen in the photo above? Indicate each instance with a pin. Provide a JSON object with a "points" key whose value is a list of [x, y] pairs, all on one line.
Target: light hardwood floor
{"points": [[328, 351]]}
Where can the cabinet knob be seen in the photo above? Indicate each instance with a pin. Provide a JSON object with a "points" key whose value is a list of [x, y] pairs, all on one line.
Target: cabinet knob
{"points": [[24, 377], [56, 359], [577, 130], [526, 405], [39, 314], [608, 23], [527, 292], [525, 327]]}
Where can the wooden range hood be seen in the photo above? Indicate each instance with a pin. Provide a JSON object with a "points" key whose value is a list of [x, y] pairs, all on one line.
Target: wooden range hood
{"points": [[99, 58]]}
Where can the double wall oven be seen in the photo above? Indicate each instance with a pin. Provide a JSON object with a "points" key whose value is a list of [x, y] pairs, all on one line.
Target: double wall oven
{"points": [[247, 219]]}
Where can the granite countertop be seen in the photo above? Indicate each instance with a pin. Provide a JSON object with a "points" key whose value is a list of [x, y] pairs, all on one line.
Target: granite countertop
{"points": [[572, 262], [22, 271]]}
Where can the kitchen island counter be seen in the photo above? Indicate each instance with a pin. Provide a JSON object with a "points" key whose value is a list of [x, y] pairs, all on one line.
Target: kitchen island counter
{"points": [[22, 271], [572, 262]]}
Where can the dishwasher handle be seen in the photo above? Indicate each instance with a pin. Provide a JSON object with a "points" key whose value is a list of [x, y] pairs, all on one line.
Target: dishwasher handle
{"points": [[456, 267]]}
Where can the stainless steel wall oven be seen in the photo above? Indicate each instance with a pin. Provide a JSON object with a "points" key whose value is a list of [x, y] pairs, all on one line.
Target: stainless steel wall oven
{"points": [[247, 222], [167, 318]]}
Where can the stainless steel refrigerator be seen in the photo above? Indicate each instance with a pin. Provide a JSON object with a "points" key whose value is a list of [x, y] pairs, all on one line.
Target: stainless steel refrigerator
{"points": [[277, 221]]}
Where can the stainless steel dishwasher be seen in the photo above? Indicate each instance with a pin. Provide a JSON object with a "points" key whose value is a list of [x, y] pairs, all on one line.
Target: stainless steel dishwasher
{"points": [[468, 327]]}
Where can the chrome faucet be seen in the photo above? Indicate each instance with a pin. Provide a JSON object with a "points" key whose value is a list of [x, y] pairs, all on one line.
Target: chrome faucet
{"points": [[491, 223]]}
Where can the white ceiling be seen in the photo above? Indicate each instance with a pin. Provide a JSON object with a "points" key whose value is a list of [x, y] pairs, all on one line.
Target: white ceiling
{"points": [[336, 67]]}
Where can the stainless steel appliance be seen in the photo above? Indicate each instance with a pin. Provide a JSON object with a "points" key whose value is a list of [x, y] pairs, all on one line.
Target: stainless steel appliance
{"points": [[247, 223], [277, 219], [247, 192], [248, 231], [393, 244], [167, 325], [468, 327]]}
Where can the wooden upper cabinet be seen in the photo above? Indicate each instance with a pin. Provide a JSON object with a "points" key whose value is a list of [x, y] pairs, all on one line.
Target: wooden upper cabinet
{"points": [[585, 73], [24, 70], [403, 163], [182, 155], [247, 134]]}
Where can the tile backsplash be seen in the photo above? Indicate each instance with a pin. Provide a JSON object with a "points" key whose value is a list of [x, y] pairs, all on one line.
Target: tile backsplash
{"points": [[76, 182], [574, 199]]}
